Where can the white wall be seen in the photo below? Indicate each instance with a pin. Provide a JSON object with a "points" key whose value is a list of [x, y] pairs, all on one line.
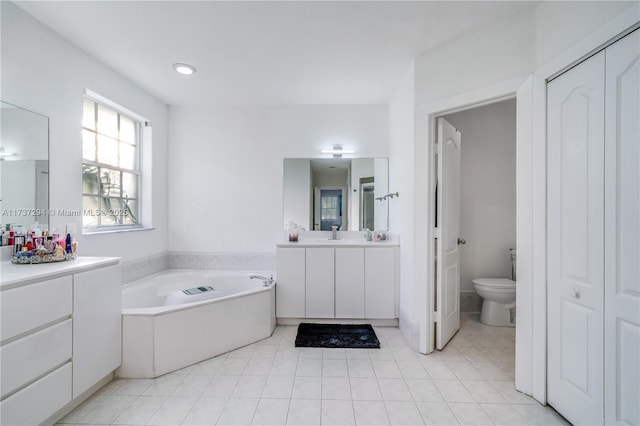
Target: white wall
{"points": [[488, 190], [401, 160], [225, 172], [44, 73], [561, 24], [497, 53]]}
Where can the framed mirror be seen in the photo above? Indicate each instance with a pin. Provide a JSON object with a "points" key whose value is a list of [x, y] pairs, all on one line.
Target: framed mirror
{"points": [[24, 166], [319, 193]]}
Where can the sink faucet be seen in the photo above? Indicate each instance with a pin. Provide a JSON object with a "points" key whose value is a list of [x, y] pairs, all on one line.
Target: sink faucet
{"points": [[265, 281], [334, 232]]}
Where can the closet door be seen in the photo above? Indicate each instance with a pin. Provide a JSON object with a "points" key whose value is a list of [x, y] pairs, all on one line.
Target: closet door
{"points": [[622, 232], [575, 282]]}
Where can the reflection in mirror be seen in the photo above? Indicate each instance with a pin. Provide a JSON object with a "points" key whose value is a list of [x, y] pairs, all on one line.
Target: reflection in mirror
{"points": [[319, 193], [24, 166]]}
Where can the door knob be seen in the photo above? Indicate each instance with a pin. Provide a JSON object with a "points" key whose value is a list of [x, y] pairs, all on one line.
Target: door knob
{"points": [[575, 293], [462, 241]]}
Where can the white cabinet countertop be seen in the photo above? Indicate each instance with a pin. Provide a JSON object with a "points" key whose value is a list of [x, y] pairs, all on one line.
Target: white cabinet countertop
{"points": [[12, 275], [338, 243]]}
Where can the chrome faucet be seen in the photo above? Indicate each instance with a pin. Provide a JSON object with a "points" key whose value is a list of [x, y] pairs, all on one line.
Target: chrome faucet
{"points": [[265, 281], [334, 232]]}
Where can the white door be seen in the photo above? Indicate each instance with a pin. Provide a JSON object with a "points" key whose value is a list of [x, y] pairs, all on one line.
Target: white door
{"points": [[448, 214], [575, 238], [622, 232]]}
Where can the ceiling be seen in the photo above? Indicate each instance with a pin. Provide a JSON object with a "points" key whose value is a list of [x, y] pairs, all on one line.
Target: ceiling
{"points": [[257, 53]]}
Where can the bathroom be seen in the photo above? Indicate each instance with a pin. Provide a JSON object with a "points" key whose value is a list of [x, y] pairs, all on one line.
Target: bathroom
{"points": [[488, 195], [212, 193]]}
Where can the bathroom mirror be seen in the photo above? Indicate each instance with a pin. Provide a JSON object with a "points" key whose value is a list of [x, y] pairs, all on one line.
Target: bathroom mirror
{"points": [[319, 193], [24, 166]]}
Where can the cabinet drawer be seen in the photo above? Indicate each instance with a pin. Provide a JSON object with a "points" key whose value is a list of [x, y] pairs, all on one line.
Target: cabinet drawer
{"points": [[29, 357], [38, 401], [31, 306]]}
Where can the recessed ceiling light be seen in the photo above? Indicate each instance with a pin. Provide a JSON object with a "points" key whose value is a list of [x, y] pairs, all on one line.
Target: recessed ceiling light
{"points": [[184, 69]]}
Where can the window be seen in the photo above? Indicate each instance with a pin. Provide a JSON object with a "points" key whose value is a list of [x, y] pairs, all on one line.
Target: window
{"points": [[111, 177]]}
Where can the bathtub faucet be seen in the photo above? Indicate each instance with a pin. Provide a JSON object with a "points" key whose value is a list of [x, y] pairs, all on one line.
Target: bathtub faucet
{"points": [[266, 281]]}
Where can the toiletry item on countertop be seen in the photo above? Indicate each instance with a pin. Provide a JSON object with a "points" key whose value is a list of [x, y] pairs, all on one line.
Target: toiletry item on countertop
{"points": [[38, 246], [379, 236], [367, 234], [68, 243]]}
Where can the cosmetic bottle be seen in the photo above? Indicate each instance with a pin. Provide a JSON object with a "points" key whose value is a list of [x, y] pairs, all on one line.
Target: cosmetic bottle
{"points": [[67, 243]]}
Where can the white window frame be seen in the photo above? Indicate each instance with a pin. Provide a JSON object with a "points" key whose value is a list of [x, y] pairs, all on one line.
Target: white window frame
{"points": [[141, 123]]}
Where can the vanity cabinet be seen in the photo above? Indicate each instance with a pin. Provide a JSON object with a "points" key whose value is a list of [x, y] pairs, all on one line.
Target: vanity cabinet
{"points": [[354, 281], [60, 335]]}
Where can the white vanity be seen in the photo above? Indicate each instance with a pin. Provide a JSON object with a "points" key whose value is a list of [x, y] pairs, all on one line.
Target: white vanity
{"points": [[337, 279], [61, 335]]}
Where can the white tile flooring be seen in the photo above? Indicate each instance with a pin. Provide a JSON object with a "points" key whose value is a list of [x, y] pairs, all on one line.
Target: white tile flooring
{"points": [[273, 383]]}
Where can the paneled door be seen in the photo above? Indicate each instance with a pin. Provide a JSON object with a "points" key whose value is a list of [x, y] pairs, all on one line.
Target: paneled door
{"points": [[448, 253], [622, 232], [575, 238]]}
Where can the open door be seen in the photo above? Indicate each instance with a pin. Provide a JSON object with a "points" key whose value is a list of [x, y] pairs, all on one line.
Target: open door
{"points": [[448, 220]]}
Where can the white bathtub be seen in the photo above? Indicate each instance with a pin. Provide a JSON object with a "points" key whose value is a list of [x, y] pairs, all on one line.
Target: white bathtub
{"points": [[158, 338]]}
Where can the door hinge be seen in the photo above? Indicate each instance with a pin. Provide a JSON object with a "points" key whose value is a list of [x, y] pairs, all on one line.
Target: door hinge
{"points": [[436, 316], [436, 232], [438, 147]]}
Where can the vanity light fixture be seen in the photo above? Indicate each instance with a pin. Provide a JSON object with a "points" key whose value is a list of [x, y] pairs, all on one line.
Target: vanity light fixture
{"points": [[184, 69], [337, 151], [6, 154]]}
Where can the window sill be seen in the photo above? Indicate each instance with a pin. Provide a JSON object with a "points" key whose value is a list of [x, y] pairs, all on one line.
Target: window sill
{"points": [[116, 231]]}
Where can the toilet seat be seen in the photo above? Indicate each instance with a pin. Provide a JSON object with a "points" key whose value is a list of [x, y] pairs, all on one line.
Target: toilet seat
{"points": [[496, 284]]}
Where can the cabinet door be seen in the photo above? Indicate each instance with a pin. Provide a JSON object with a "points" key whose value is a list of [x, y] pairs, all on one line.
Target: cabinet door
{"points": [[379, 283], [290, 268], [349, 283], [97, 313], [320, 283]]}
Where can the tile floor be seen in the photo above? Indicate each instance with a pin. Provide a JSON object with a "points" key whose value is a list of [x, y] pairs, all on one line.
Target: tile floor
{"points": [[273, 383]]}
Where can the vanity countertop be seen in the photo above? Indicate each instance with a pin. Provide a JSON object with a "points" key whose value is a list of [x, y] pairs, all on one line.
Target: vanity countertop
{"points": [[338, 243], [12, 275]]}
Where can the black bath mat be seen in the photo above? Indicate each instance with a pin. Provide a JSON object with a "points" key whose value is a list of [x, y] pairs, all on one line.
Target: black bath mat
{"points": [[336, 336]]}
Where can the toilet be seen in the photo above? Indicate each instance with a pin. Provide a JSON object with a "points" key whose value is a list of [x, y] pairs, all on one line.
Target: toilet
{"points": [[499, 298]]}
